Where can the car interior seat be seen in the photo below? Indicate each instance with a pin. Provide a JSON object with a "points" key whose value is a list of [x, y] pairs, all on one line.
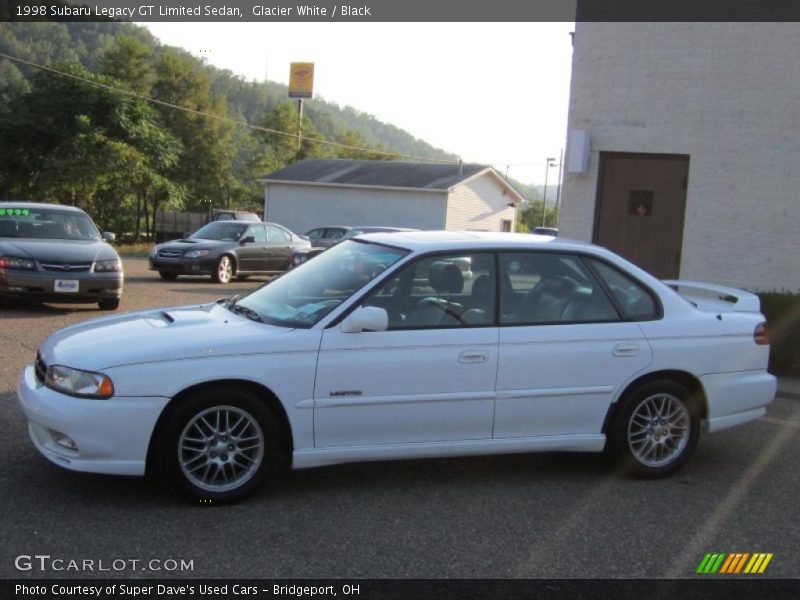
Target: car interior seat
{"points": [[481, 301], [446, 279]]}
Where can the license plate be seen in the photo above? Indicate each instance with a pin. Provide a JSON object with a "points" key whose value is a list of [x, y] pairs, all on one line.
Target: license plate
{"points": [[66, 285]]}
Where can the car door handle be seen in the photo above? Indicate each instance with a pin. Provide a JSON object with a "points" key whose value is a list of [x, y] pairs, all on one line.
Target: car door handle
{"points": [[472, 356], [626, 350]]}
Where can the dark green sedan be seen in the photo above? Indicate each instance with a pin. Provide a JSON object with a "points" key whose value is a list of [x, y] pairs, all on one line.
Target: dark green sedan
{"points": [[55, 253]]}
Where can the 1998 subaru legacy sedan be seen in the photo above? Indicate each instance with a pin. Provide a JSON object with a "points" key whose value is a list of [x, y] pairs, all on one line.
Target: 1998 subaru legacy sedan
{"points": [[381, 349]]}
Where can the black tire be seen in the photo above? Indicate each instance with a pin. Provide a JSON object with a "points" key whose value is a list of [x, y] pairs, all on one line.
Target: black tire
{"points": [[177, 455], [167, 276], [109, 304], [224, 270], [649, 434]]}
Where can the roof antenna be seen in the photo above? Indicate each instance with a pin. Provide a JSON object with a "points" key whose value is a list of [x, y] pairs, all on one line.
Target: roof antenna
{"points": [[460, 166]]}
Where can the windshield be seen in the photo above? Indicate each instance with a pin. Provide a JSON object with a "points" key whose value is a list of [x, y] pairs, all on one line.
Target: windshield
{"points": [[302, 297], [226, 231], [46, 224]]}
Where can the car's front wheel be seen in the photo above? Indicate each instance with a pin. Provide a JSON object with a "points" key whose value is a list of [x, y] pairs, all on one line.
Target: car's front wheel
{"points": [[656, 429], [219, 446], [223, 272], [109, 304]]}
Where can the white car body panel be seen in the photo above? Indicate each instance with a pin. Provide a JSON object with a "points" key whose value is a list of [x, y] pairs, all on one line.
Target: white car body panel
{"points": [[412, 386], [537, 395], [399, 394]]}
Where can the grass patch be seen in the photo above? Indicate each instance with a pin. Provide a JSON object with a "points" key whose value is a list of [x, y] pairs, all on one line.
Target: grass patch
{"points": [[132, 250]]}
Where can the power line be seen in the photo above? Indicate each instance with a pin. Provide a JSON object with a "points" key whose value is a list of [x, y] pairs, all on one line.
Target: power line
{"points": [[218, 117]]}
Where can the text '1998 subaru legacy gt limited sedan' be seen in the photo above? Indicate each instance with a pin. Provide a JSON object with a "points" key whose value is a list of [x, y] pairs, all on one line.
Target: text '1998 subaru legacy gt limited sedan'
{"points": [[380, 348]]}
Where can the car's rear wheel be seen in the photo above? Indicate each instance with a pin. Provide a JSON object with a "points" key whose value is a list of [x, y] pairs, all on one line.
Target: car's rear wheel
{"points": [[219, 446], [224, 270], [656, 429], [167, 276], [108, 304]]}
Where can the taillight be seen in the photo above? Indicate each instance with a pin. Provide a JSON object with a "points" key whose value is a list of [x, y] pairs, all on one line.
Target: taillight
{"points": [[761, 334]]}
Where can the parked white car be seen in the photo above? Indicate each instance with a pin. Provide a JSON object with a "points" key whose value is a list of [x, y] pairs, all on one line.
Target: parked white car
{"points": [[381, 349]]}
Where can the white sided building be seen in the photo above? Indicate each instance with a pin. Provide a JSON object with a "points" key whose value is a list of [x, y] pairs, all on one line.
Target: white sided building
{"points": [[683, 150], [456, 197]]}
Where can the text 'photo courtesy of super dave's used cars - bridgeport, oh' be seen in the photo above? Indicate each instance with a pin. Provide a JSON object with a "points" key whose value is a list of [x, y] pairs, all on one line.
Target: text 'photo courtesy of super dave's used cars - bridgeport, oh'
{"points": [[383, 348], [55, 253]]}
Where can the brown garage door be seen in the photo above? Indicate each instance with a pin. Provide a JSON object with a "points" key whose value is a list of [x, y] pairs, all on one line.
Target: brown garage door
{"points": [[641, 200]]}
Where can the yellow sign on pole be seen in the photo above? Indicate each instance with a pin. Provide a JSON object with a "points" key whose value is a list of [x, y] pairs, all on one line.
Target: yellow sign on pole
{"points": [[301, 80]]}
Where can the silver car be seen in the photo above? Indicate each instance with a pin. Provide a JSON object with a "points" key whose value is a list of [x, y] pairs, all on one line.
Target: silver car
{"points": [[54, 253]]}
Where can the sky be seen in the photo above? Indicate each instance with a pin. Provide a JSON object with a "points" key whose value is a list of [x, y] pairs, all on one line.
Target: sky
{"points": [[492, 93]]}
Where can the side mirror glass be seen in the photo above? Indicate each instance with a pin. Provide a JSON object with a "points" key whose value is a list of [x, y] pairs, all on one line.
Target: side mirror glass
{"points": [[185, 235], [365, 318], [248, 240], [108, 236]]}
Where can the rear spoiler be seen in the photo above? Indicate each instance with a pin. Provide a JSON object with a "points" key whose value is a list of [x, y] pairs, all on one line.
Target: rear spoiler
{"points": [[707, 296]]}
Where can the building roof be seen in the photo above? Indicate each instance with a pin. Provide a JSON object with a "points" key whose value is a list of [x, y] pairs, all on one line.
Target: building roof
{"points": [[381, 174]]}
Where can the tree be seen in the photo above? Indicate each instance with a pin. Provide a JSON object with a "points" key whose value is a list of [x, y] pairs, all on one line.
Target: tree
{"points": [[130, 61], [72, 142], [205, 167]]}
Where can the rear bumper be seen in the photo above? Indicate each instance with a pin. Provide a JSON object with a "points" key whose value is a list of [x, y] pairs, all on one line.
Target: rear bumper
{"points": [[41, 285], [736, 398]]}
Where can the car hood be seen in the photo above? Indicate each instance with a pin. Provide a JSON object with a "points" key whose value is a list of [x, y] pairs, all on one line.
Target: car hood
{"points": [[177, 333], [195, 244], [57, 250]]}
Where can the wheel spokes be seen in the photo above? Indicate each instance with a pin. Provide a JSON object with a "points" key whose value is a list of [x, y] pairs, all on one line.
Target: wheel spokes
{"points": [[221, 448]]}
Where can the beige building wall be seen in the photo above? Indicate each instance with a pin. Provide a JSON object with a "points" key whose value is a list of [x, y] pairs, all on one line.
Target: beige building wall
{"points": [[726, 94], [303, 207], [479, 204]]}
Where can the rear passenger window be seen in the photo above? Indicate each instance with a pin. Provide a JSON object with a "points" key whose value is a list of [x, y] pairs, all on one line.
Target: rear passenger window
{"points": [[277, 235], [636, 302], [539, 287]]}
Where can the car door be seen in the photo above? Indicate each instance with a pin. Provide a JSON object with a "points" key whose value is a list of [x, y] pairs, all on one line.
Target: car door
{"points": [[565, 349], [253, 254], [428, 378], [279, 248]]}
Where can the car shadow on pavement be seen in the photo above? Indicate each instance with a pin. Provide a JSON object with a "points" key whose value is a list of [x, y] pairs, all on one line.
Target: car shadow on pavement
{"points": [[11, 308]]}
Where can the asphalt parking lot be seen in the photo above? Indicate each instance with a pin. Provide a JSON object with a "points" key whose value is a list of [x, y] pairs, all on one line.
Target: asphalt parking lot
{"points": [[546, 515]]}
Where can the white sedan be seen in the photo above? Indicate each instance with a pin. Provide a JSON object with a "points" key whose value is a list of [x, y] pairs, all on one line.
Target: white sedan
{"points": [[381, 348]]}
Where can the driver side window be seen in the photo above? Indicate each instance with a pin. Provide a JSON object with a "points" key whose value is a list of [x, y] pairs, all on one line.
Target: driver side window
{"points": [[442, 291]]}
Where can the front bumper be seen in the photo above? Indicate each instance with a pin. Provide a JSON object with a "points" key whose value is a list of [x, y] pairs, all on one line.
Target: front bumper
{"points": [[41, 285], [111, 436], [184, 266]]}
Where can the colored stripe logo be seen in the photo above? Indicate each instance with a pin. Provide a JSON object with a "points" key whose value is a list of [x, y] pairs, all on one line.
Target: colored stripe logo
{"points": [[735, 563]]}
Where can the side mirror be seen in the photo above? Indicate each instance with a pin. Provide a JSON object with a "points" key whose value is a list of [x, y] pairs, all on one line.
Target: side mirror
{"points": [[248, 240], [108, 236], [365, 318], [185, 235]]}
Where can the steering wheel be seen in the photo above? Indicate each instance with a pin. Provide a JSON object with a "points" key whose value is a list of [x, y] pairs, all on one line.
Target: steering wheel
{"points": [[445, 307]]}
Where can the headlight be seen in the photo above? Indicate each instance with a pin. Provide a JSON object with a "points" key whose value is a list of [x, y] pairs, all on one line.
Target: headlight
{"points": [[13, 262], [104, 266], [75, 382], [196, 253]]}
